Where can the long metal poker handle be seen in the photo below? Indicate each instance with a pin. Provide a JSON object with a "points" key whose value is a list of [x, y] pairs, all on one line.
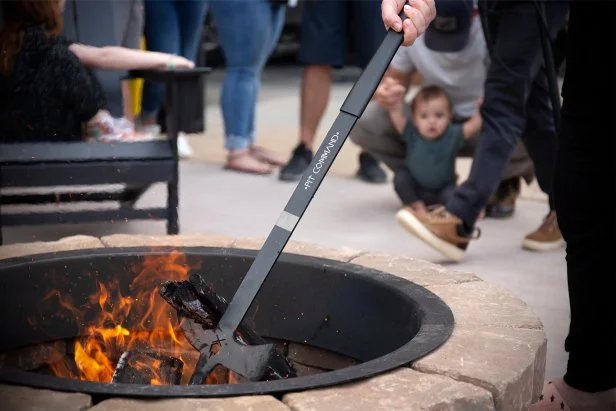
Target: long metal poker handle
{"points": [[361, 93], [353, 107]]}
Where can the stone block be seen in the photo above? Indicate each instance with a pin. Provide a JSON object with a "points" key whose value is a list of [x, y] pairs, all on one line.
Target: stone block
{"points": [[481, 303], [505, 361], [248, 243], [252, 403], [345, 254], [418, 271], [78, 242], [181, 240], [294, 247], [402, 389], [30, 399]]}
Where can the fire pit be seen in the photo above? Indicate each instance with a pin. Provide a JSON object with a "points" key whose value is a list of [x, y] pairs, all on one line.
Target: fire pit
{"points": [[382, 323], [105, 304]]}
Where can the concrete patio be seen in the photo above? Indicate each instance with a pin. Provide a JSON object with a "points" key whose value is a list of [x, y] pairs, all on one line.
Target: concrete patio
{"points": [[344, 213]]}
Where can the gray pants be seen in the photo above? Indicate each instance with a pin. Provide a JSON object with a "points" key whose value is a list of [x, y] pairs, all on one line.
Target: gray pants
{"points": [[375, 134]]}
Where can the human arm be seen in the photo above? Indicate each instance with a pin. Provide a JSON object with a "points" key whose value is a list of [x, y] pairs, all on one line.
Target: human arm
{"points": [[420, 14], [397, 117], [472, 126], [122, 58]]}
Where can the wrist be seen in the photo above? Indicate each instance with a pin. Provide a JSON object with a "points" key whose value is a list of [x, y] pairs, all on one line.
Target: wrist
{"points": [[397, 110], [171, 63]]}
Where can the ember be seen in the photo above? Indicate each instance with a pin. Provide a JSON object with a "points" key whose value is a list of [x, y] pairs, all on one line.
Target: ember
{"points": [[148, 368]]}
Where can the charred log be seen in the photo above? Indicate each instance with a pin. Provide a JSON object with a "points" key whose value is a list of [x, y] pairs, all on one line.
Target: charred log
{"points": [[196, 299], [148, 368]]}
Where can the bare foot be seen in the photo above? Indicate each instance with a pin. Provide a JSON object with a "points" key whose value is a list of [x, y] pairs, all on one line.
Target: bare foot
{"points": [[266, 156], [243, 161]]}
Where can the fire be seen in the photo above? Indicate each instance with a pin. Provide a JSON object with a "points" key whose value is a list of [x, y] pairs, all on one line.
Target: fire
{"points": [[105, 339]]}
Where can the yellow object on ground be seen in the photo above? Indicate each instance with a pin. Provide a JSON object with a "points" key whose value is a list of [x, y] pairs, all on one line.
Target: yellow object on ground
{"points": [[136, 86]]}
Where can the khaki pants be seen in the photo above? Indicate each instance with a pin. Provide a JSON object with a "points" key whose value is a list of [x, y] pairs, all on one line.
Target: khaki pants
{"points": [[375, 134]]}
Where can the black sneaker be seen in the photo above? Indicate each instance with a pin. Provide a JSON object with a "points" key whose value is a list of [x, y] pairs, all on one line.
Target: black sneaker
{"points": [[298, 163], [370, 170], [502, 202]]}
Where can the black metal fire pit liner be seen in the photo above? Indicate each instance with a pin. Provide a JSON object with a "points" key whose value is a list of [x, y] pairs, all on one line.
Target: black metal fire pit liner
{"points": [[430, 321]]}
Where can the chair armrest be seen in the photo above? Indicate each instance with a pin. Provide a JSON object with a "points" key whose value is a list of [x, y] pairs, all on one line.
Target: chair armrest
{"points": [[167, 75]]}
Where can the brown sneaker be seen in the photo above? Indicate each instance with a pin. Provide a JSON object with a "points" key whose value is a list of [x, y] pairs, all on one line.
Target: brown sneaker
{"points": [[439, 229], [547, 237]]}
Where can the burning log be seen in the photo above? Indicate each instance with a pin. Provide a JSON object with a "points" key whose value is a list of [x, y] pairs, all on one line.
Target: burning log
{"points": [[148, 368], [195, 299]]}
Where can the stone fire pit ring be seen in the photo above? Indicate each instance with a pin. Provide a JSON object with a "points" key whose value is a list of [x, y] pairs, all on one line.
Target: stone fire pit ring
{"points": [[495, 358]]}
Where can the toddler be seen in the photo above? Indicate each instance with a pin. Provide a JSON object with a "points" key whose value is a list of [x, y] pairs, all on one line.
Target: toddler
{"points": [[432, 140]]}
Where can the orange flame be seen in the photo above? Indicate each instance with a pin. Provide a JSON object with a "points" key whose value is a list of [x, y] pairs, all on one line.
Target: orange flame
{"points": [[107, 337]]}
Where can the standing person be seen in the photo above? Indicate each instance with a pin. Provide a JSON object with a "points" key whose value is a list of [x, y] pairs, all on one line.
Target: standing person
{"points": [[248, 30], [326, 28], [174, 27], [516, 102], [584, 167], [130, 17]]}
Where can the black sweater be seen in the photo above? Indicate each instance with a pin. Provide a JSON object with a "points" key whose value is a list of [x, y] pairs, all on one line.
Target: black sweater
{"points": [[49, 93]]}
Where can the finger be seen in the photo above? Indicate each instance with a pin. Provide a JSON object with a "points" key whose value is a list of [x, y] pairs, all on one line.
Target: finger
{"points": [[426, 7], [388, 81], [417, 18], [396, 95], [410, 32], [390, 10]]}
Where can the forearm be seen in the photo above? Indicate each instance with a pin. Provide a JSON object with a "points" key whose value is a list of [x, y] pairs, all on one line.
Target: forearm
{"points": [[472, 126], [398, 119], [401, 77], [119, 58]]}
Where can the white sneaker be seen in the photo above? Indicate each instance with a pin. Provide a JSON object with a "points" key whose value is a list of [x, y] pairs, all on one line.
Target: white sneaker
{"points": [[152, 129], [184, 148]]}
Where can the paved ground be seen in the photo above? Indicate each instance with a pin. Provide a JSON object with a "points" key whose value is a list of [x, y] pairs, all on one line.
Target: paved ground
{"points": [[345, 211]]}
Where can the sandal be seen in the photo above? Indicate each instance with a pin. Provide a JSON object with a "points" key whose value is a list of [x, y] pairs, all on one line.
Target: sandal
{"points": [[550, 400], [267, 156], [243, 161]]}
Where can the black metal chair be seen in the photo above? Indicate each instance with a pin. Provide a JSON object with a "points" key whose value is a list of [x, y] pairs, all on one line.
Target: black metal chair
{"points": [[135, 165]]}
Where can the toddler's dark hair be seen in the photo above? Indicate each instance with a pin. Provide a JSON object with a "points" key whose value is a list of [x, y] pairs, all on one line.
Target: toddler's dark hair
{"points": [[430, 93]]}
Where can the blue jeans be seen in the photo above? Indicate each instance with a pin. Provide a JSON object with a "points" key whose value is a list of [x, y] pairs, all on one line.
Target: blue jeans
{"points": [[248, 31], [171, 26]]}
